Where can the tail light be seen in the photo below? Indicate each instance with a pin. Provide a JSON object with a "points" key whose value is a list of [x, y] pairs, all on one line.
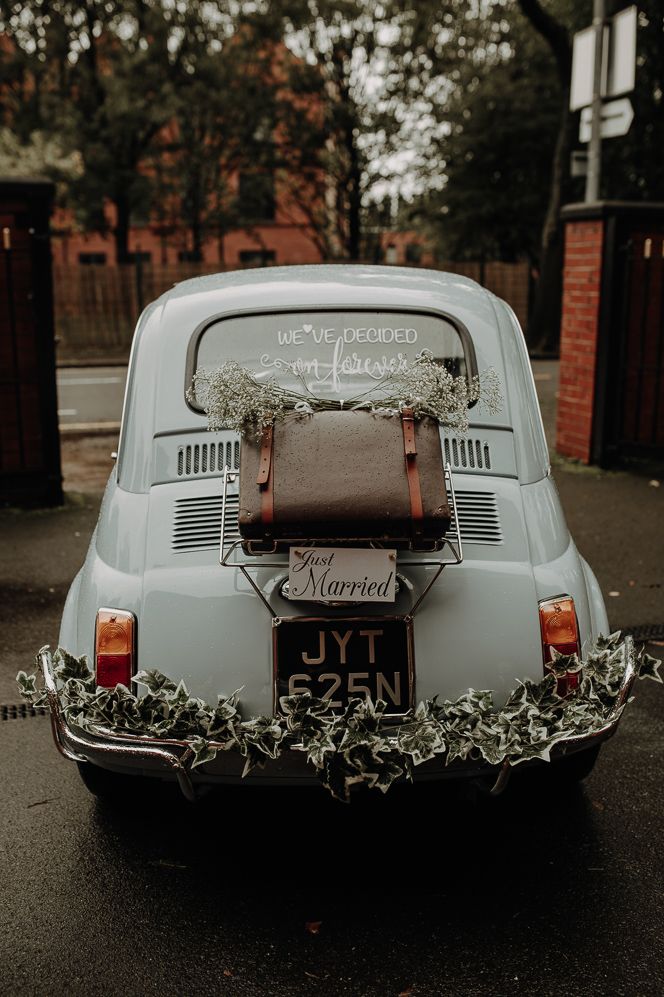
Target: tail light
{"points": [[115, 633], [560, 632]]}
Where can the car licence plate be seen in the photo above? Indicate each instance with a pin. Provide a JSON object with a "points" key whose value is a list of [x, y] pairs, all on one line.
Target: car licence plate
{"points": [[339, 659]]}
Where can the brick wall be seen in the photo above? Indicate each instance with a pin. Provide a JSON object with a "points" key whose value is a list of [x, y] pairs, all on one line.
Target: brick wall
{"points": [[578, 345]]}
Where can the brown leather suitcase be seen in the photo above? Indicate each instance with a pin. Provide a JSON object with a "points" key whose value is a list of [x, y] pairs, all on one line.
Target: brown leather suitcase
{"points": [[344, 475]]}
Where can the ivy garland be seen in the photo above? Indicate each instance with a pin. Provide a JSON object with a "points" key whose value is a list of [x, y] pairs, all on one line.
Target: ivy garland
{"points": [[360, 744]]}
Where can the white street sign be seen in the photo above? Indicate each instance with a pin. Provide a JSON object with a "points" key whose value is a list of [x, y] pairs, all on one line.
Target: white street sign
{"points": [[583, 60], [617, 116], [622, 53], [618, 58]]}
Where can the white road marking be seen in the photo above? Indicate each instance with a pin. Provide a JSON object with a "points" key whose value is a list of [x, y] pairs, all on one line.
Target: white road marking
{"points": [[67, 411], [91, 380]]}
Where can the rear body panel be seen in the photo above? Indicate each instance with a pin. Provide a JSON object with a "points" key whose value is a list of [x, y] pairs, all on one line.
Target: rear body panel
{"points": [[156, 548]]}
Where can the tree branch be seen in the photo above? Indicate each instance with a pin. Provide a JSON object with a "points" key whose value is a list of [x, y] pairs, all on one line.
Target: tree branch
{"points": [[555, 35]]}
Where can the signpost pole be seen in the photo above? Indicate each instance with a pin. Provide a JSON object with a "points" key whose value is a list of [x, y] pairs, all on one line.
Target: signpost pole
{"points": [[595, 144]]}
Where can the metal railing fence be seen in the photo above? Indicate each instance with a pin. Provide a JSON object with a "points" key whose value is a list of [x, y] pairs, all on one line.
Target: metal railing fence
{"points": [[96, 306]]}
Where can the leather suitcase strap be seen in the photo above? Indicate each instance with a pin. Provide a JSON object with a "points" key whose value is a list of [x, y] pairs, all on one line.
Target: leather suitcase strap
{"points": [[412, 472], [265, 477]]}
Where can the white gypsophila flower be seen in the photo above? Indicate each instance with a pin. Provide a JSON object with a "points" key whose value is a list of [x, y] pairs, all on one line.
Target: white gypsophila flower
{"points": [[233, 398]]}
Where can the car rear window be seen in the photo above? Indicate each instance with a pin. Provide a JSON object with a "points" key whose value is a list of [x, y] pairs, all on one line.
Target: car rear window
{"points": [[336, 353]]}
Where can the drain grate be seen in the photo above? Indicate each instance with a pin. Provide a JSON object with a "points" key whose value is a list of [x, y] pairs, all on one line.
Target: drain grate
{"points": [[646, 632], [21, 711]]}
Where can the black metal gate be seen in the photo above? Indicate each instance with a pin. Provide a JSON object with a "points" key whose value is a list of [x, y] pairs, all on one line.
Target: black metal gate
{"points": [[29, 438]]}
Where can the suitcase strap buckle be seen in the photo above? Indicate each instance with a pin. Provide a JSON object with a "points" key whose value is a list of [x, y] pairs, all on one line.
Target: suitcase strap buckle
{"points": [[265, 477], [412, 471]]}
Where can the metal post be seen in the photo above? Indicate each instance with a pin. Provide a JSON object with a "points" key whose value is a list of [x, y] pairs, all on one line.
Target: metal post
{"points": [[595, 145]]}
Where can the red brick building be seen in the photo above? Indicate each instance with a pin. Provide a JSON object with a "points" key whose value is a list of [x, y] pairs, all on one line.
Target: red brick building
{"points": [[282, 236]]}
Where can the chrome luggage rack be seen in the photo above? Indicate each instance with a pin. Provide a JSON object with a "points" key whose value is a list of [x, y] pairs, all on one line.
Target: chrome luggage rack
{"points": [[245, 554]]}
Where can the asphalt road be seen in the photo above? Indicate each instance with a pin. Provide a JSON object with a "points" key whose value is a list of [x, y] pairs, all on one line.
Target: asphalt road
{"points": [[90, 395], [538, 893], [94, 395]]}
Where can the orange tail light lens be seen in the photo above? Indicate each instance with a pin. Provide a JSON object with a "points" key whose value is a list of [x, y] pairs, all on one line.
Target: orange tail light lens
{"points": [[115, 633], [560, 631]]}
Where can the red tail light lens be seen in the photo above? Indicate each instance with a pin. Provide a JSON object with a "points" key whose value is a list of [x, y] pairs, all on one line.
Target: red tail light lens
{"points": [[114, 647], [560, 632]]}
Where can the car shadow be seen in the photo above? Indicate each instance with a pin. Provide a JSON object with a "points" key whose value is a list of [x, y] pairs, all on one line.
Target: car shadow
{"points": [[434, 840]]}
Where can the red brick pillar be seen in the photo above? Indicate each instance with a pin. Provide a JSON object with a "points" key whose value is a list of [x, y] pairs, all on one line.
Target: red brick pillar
{"points": [[582, 277]]}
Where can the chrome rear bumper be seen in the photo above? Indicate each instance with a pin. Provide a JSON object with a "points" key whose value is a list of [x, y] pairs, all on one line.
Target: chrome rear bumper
{"points": [[168, 758]]}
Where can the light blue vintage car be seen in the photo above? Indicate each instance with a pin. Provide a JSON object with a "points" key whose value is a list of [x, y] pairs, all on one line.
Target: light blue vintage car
{"points": [[167, 583]]}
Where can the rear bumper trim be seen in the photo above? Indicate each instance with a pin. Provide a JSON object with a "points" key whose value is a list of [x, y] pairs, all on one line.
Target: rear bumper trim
{"points": [[173, 758]]}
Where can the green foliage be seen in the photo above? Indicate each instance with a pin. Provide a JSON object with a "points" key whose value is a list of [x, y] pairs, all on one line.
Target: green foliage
{"points": [[154, 98], [493, 98], [633, 166], [497, 160], [347, 74], [41, 155], [495, 91], [359, 745], [155, 105]]}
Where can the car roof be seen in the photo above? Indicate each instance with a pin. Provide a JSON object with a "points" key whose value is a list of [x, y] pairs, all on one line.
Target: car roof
{"points": [[155, 402], [323, 273], [361, 284]]}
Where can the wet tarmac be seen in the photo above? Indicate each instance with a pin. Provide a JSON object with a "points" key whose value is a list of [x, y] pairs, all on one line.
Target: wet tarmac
{"points": [[261, 892]]}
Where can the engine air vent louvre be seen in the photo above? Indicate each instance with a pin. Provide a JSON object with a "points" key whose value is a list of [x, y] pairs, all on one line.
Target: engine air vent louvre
{"points": [[478, 518], [197, 521], [207, 458], [466, 453]]}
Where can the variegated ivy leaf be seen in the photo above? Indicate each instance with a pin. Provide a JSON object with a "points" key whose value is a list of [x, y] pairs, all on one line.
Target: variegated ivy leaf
{"points": [[338, 777], [224, 716], [303, 708], [203, 752], [542, 694], [475, 701], [67, 666], [561, 664], [155, 681], [180, 695], [357, 737], [317, 748], [388, 773], [151, 708], [491, 752], [612, 640], [649, 668], [27, 685], [255, 756], [422, 740], [264, 734], [531, 751], [364, 714]]}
